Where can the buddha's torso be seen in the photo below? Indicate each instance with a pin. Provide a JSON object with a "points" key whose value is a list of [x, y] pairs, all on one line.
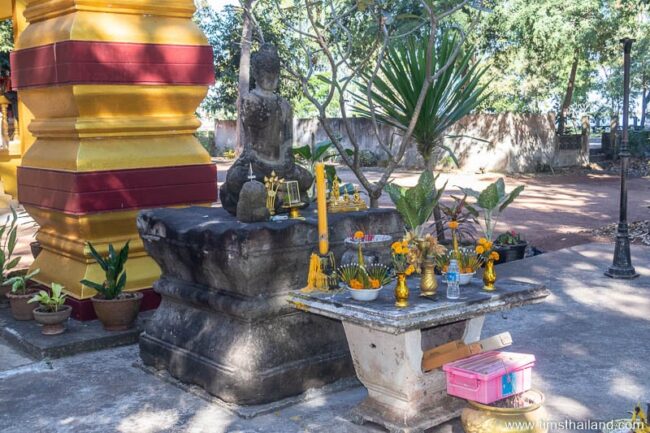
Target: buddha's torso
{"points": [[268, 126]]}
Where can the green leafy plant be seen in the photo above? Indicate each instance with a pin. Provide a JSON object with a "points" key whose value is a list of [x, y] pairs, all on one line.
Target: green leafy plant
{"points": [[453, 94], [509, 238], [415, 204], [8, 238], [50, 302], [113, 267], [18, 283], [493, 200]]}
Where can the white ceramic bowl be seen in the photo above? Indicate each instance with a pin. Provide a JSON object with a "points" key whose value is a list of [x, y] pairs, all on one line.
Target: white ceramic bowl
{"points": [[364, 294], [464, 278]]}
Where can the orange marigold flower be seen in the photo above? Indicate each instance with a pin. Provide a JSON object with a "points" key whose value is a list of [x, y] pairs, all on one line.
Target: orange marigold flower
{"points": [[355, 284], [453, 225], [468, 270], [358, 235], [410, 270], [480, 249], [396, 247], [494, 255], [488, 245], [374, 283], [482, 241]]}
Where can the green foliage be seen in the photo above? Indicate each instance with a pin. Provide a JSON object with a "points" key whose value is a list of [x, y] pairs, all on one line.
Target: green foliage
{"points": [[18, 283], [223, 30], [6, 44], [492, 200], [8, 238], [307, 157], [206, 138], [509, 238], [113, 267], [50, 302], [454, 94], [532, 45], [639, 142], [416, 204]]}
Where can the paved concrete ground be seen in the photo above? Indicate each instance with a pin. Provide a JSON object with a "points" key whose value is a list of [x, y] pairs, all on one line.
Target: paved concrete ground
{"points": [[591, 339]]}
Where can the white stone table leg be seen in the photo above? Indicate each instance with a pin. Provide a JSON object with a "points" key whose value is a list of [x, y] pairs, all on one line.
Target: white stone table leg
{"points": [[401, 397]]}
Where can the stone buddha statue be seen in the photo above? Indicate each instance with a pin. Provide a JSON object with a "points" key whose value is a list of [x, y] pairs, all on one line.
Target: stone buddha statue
{"points": [[267, 121]]}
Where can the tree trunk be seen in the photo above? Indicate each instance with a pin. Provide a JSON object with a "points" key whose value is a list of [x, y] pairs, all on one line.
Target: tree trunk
{"points": [[374, 201], [645, 99], [437, 213], [568, 96], [244, 72]]}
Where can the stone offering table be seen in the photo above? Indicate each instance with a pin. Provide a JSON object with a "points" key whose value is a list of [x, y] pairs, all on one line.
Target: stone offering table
{"points": [[387, 345], [224, 322]]}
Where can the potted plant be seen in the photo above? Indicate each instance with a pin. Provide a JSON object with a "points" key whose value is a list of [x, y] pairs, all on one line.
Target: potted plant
{"points": [[51, 313], [492, 201], [8, 237], [21, 293], [510, 246], [364, 282], [116, 310]]}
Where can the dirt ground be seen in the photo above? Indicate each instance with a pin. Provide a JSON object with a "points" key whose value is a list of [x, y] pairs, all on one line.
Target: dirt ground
{"points": [[553, 212]]}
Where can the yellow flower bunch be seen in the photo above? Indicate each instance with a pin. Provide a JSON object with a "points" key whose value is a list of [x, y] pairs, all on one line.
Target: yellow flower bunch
{"points": [[409, 270], [484, 248], [355, 284], [400, 247]]}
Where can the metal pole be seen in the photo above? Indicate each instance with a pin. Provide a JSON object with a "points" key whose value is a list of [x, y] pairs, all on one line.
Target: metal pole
{"points": [[621, 267]]}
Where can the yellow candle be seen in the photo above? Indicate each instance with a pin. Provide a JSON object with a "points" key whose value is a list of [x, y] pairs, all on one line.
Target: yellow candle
{"points": [[323, 237]]}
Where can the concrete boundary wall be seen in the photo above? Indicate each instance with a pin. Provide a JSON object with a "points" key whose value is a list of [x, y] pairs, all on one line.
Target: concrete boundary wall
{"points": [[507, 142]]}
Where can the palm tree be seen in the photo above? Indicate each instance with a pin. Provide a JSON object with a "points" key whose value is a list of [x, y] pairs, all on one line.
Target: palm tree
{"points": [[455, 91]]}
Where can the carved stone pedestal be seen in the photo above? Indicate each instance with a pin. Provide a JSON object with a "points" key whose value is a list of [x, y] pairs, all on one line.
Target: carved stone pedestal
{"points": [[224, 322]]}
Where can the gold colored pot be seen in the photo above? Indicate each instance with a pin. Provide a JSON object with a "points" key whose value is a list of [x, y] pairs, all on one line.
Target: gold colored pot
{"points": [[481, 418], [428, 281], [489, 276], [401, 291]]}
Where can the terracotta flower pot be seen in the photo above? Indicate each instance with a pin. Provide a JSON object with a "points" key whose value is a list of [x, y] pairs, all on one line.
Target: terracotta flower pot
{"points": [[20, 309], [118, 314], [53, 322]]}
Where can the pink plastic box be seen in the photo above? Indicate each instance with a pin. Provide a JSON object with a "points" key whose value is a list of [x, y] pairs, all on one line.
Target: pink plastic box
{"points": [[490, 376]]}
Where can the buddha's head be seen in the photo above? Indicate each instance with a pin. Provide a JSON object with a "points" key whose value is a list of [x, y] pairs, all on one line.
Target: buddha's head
{"points": [[265, 65]]}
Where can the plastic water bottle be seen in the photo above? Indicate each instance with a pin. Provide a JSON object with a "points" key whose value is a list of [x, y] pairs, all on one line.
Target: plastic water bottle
{"points": [[453, 280]]}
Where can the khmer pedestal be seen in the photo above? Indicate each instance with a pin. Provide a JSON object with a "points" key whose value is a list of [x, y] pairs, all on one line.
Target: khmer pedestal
{"points": [[224, 322]]}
